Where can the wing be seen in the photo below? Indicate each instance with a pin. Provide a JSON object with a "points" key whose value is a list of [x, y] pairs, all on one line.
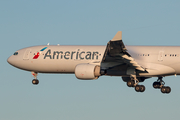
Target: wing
{"points": [[116, 54]]}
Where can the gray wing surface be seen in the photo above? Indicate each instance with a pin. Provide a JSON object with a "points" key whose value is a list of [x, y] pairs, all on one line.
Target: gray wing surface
{"points": [[116, 54]]}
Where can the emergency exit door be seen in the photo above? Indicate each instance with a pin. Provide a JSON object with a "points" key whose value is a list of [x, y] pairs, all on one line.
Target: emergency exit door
{"points": [[161, 55]]}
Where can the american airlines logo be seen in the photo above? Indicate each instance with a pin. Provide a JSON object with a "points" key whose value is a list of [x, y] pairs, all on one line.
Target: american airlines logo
{"points": [[81, 55], [38, 53]]}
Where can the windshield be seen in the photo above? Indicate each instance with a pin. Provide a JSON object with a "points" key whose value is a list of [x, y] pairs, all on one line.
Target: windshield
{"points": [[16, 53]]}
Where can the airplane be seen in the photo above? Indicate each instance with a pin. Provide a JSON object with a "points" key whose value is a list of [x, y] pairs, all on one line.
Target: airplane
{"points": [[134, 64]]}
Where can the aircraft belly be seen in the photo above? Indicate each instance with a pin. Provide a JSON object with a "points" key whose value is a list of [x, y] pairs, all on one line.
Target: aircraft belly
{"points": [[176, 66], [158, 70]]}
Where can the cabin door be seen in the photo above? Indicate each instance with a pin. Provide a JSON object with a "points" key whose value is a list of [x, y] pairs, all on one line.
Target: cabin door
{"points": [[160, 56], [26, 54]]}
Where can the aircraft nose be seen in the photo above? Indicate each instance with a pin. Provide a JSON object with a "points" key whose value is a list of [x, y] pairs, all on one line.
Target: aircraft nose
{"points": [[10, 60]]}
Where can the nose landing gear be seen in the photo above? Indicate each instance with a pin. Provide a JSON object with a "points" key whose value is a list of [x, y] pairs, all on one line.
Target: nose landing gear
{"points": [[35, 81], [159, 84]]}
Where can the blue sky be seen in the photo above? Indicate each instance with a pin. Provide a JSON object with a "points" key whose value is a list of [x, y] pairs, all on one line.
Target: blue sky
{"points": [[62, 96]]}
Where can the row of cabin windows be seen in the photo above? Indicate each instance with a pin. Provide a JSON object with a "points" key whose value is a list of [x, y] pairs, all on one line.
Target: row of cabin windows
{"points": [[171, 55], [142, 54], [166, 55]]}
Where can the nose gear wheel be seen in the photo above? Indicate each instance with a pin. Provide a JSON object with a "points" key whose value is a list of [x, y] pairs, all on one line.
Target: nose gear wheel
{"points": [[35, 81]]}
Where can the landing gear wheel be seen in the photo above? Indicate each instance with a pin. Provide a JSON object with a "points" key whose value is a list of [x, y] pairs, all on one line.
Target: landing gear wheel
{"points": [[159, 84], [156, 85], [35, 81], [168, 89], [163, 89], [134, 81], [130, 83], [142, 88], [137, 88]]}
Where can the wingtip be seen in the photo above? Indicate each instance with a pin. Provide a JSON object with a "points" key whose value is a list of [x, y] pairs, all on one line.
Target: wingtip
{"points": [[118, 36]]}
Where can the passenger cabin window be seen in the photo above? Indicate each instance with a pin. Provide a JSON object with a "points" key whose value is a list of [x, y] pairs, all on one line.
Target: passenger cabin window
{"points": [[143, 55], [16, 53]]}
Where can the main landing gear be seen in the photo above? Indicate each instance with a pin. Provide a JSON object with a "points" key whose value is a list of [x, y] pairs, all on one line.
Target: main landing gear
{"points": [[134, 83], [159, 84], [35, 81]]}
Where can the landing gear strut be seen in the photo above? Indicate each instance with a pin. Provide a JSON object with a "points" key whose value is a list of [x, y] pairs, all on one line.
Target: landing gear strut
{"points": [[134, 83], [35, 81], [159, 84]]}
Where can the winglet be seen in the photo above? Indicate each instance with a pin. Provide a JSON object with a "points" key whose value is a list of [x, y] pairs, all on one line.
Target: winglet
{"points": [[118, 36]]}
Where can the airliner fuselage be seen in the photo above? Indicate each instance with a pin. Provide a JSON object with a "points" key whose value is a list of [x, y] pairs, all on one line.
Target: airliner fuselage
{"points": [[133, 63], [63, 59]]}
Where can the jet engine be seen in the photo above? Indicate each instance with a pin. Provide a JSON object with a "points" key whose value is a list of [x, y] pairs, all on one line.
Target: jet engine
{"points": [[86, 71]]}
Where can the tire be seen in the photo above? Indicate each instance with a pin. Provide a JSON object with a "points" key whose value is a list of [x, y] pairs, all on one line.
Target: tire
{"points": [[137, 88], [163, 89], [142, 88], [156, 85], [130, 83], [35, 81], [168, 89]]}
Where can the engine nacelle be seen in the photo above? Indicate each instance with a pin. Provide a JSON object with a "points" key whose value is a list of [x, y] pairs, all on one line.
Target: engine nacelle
{"points": [[86, 71]]}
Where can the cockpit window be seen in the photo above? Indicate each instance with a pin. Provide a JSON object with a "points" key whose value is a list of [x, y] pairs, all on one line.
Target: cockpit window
{"points": [[16, 53]]}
